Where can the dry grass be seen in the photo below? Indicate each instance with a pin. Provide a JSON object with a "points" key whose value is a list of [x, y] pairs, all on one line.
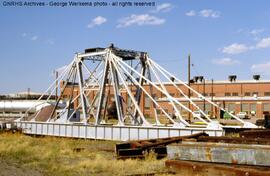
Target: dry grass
{"points": [[62, 156]]}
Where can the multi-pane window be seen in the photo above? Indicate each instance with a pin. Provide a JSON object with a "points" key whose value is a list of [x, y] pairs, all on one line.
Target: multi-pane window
{"points": [[235, 94], [247, 94], [227, 94], [128, 101], [245, 107], [266, 106], [212, 94], [182, 110], [231, 107], [205, 94], [253, 108], [147, 103], [207, 108], [266, 93]]}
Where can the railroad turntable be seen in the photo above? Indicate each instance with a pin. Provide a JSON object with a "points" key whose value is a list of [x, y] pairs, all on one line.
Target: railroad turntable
{"points": [[104, 83]]}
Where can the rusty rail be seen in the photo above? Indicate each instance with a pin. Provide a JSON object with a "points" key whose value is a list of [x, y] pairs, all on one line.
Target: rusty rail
{"points": [[234, 140], [263, 133], [137, 149]]}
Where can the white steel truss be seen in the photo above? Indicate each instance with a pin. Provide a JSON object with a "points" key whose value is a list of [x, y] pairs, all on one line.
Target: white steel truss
{"points": [[105, 80]]}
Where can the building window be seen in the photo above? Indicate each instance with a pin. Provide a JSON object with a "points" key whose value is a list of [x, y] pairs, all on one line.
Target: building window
{"points": [[266, 107], [200, 106], [147, 103], [205, 94], [207, 108], [253, 109], [231, 107], [128, 101], [247, 94], [245, 107], [227, 94], [235, 94], [266, 93], [182, 110]]}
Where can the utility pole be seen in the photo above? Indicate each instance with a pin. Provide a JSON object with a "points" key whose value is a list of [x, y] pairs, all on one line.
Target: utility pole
{"points": [[189, 117], [204, 94], [212, 96], [56, 84], [241, 101], [28, 93]]}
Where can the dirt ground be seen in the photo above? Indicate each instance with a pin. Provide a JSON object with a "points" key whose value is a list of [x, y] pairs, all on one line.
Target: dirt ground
{"points": [[12, 169]]}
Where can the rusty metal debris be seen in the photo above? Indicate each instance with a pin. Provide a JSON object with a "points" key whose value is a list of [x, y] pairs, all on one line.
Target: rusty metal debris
{"points": [[248, 154], [206, 169], [255, 134], [252, 154], [137, 149], [203, 155], [235, 140]]}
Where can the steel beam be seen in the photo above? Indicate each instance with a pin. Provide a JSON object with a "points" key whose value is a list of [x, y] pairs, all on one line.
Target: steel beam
{"points": [[117, 95], [139, 90], [80, 77], [102, 91]]}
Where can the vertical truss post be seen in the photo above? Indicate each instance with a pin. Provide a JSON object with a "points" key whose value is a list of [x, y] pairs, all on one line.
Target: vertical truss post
{"points": [[102, 90], [145, 122], [151, 93], [150, 96], [117, 96], [139, 90], [80, 77], [188, 81], [161, 90]]}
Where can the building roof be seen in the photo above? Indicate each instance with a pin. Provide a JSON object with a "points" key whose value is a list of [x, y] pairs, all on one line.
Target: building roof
{"points": [[224, 82], [25, 95]]}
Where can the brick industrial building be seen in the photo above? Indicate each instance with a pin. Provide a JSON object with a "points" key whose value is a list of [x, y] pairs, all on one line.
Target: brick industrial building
{"points": [[252, 97]]}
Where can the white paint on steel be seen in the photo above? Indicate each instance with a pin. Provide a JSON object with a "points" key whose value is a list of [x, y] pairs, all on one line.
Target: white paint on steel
{"points": [[117, 133], [21, 105], [119, 71]]}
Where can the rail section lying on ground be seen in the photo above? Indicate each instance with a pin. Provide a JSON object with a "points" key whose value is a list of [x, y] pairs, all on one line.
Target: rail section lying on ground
{"points": [[245, 155], [138, 148]]}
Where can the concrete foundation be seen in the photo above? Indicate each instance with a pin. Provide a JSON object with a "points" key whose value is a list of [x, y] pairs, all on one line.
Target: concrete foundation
{"points": [[246, 154]]}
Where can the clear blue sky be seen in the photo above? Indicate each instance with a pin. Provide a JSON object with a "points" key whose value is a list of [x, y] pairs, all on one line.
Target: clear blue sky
{"points": [[224, 37]]}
